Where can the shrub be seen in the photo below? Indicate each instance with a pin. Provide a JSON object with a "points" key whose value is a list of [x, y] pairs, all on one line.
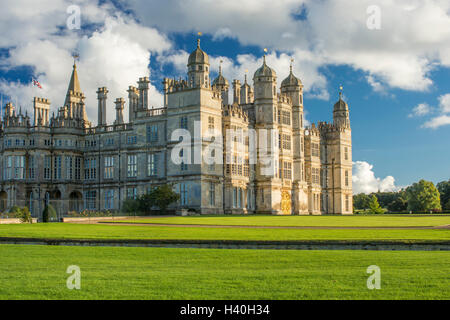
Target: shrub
{"points": [[49, 213], [25, 215]]}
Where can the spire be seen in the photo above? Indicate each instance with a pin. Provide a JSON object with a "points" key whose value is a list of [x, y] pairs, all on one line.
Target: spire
{"points": [[198, 43], [341, 88], [220, 67], [292, 61], [74, 84]]}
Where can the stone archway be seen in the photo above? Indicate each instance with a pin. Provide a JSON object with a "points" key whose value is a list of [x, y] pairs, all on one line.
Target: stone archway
{"points": [[75, 201], [3, 201]]}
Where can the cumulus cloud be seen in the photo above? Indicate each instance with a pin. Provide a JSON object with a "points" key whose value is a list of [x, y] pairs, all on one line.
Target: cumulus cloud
{"points": [[115, 56], [420, 110], [364, 180], [414, 37], [443, 110]]}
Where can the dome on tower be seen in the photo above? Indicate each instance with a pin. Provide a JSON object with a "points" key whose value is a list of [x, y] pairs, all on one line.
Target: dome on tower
{"points": [[265, 71], [341, 105], [198, 56], [220, 80], [291, 80]]}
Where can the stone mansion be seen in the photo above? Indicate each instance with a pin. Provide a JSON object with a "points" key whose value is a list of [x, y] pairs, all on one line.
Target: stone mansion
{"points": [[64, 158]]}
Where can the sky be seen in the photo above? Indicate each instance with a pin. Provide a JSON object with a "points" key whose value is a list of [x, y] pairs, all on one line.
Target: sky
{"points": [[392, 58]]}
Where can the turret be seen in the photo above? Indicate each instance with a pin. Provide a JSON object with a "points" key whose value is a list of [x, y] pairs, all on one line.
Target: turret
{"points": [[341, 117], [198, 68], [293, 88], [265, 83], [221, 84], [41, 108], [236, 91]]}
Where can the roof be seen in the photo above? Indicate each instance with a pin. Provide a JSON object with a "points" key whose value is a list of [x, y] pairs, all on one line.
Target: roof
{"points": [[265, 71], [198, 56]]}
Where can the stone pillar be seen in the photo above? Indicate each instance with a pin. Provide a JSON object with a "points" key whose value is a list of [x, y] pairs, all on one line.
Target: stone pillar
{"points": [[102, 94], [120, 102]]}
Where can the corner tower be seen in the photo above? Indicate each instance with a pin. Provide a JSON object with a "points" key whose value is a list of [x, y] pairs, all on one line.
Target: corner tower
{"points": [[198, 68]]}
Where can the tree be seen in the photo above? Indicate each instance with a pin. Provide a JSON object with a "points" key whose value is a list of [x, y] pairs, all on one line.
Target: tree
{"points": [[25, 215], [399, 204], [361, 201], [374, 206], [162, 196], [444, 190], [49, 213], [423, 196]]}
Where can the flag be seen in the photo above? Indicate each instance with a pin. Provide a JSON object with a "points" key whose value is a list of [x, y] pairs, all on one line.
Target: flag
{"points": [[200, 34], [36, 83]]}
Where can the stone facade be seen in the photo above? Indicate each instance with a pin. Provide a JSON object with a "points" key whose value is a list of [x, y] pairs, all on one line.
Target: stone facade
{"points": [[64, 158]]}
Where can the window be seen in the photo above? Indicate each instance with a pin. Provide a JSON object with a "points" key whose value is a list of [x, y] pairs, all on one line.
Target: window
{"points": [[152, 133], [210, 122], [109, 167], [246, 168], [346, 178], [69, 168], [90, 198], [152, 164], [77, 168], [132, 166], [315, 149], [286, 142], [109, 199], [47, 167], [235, 197], [286, 117], [347, 203], [287, 166], [90, 169], [31, 167], [346, 153], [132, 193], [315, 175], [32, 142], [183, 194], [131, 139], [183, 122], [212, 194], [19, 172]]}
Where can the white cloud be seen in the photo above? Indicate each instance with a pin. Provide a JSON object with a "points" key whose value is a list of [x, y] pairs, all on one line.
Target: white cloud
{"points": [[420, 110], [115, 56], [443, 110], [437, 122], [444, 103], [414, 38], [223, 33], [364, 180]]}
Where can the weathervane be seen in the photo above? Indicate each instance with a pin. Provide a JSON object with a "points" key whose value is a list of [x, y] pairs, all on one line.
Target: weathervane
{"points": [[292, 62], [75, 57], [341, 88]]}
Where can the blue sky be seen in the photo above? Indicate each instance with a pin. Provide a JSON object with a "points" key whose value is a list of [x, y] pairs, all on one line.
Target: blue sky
{"points": [[386, 73]]}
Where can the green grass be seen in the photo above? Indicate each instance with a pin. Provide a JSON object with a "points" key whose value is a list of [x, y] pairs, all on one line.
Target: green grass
{"points": [[323, 221], [39, 272], [99, 231]]}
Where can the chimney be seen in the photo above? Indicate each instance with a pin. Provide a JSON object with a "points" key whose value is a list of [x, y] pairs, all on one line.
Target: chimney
{"points": [[102, 94], [120, 102]]}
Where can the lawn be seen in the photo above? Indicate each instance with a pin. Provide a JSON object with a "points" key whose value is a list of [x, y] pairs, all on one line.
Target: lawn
{"points": [[105, 231], [306, 221], [39, 272]]}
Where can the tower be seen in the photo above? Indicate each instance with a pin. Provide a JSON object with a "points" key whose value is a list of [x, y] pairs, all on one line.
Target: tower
{"points": [[236, 91], [75, 98], [198, 68], [41, 108], [221, 84], [265, 84], [102, 94], [341, 117]]}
